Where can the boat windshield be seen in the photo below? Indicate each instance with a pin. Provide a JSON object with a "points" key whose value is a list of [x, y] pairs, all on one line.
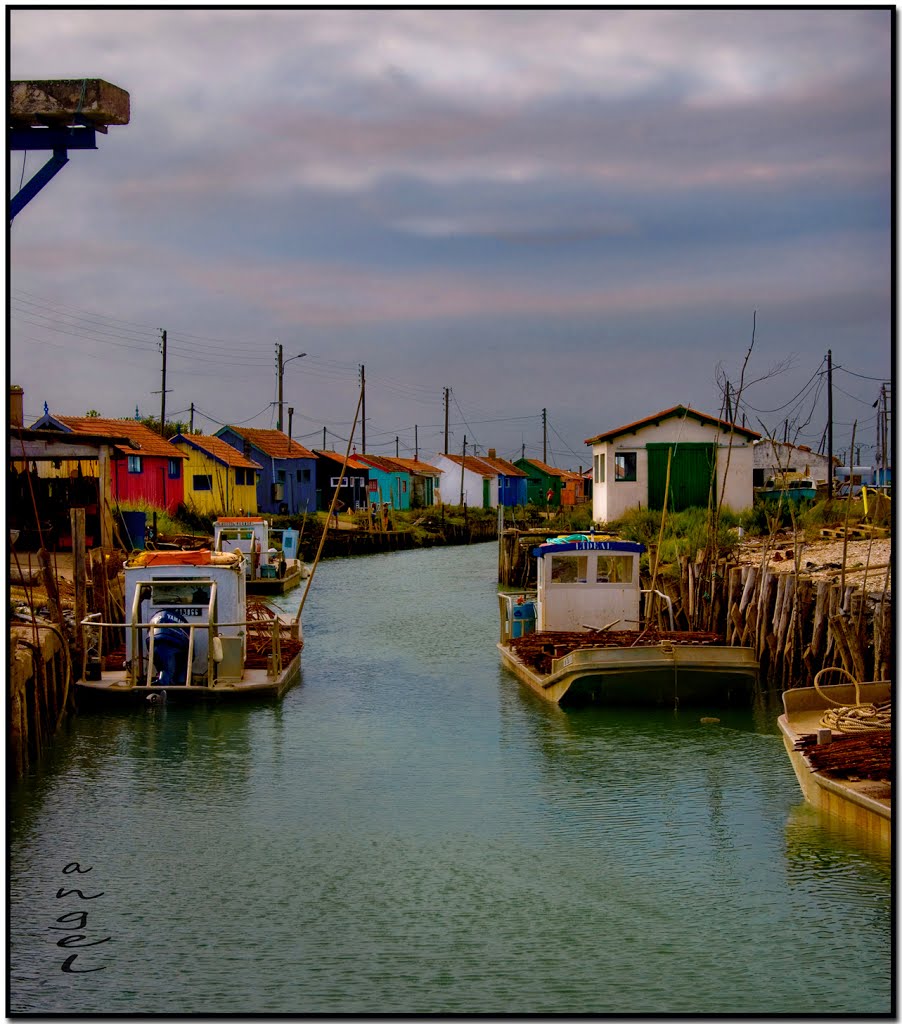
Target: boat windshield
{"points": [[569, 568], [614, 569], [180, 593]]}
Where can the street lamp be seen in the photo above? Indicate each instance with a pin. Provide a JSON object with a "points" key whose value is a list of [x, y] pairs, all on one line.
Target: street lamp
{"points": [[280, 370]]}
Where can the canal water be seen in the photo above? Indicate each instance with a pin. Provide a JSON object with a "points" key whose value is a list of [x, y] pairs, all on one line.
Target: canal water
{"points": [[412, 831]]}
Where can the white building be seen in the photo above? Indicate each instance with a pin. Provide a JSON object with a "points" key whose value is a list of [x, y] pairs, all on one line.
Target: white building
{"points": [[630, 464], [775, 457], [469, 479]]}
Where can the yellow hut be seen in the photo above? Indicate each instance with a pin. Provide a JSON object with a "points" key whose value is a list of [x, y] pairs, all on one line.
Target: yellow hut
{"points": [[219, 479]]}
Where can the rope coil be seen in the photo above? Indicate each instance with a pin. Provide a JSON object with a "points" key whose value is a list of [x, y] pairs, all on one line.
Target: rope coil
{"points": [[857, 717]]}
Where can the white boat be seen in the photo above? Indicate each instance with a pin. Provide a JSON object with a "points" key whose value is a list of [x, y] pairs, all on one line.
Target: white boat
{"points": [[560, 640], [843, 768], [188, 634], [272, 565]]}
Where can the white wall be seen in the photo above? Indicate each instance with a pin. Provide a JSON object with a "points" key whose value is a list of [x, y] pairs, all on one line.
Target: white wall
{"points": [[450, 484], [789, 457], [611, 499]]}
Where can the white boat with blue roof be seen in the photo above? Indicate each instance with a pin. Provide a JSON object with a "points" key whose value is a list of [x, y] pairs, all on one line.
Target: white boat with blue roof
{"points": [[589, 633]]}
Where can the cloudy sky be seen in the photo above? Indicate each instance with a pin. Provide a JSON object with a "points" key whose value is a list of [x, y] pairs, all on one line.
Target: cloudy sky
{"points": [[577, 211]]}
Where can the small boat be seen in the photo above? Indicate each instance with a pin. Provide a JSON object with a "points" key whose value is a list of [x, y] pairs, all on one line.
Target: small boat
{"points": [[189, 634], [839, 741], [560, 640], [793, 487], [270, 569]]}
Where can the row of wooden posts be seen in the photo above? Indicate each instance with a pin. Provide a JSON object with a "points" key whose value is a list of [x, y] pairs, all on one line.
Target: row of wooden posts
{"points": [[796, 625]]}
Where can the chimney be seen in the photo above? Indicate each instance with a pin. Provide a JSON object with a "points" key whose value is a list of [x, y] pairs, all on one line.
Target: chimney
{"points": [[492, 454], [16, 415]]}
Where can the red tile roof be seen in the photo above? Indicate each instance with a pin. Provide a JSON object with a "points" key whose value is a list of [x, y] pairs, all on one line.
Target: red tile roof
{"points": [[353, 462], [666, 414], [473, 464], [383, 463], [150, 441], [418, 467], [218, 449], [273, 443], [502, 466]]}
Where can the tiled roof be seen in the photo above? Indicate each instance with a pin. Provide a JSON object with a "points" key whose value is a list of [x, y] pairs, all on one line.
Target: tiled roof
{"points": [[218, 449], [473, 464], [418, 467], [502, 466], [676, 411], [353, 461], [273, 443], [383, 463], [150, 441], [543, 467]]}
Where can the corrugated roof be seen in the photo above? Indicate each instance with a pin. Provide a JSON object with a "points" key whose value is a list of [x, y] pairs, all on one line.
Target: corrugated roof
{"points": [[666, 414], [273, 443], [218, 449], [149, 440]]}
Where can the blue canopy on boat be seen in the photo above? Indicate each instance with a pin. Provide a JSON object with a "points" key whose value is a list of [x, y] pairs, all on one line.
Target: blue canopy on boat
{"points": [[564, 544]]}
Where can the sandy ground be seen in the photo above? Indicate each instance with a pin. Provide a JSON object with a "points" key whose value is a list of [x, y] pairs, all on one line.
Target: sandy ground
{"points": [[866, 561]]}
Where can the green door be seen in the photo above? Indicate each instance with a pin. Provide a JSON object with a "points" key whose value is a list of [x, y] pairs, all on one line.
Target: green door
{"points": [[691, 468], [486, 494]]}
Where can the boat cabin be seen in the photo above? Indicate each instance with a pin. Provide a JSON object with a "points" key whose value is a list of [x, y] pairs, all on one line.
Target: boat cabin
{"points": [[588, 584], [206, 593], [252, 536]]}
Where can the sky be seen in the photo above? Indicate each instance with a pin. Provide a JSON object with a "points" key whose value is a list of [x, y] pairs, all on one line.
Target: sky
{"points": [[545, 223]]}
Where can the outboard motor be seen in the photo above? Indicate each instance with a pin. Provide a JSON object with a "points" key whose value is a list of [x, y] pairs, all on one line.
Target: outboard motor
{"points": [[170, 647]]}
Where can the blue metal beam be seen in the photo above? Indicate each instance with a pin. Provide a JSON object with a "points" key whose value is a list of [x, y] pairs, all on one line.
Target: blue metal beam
{"points": [[28, 191], [52, 138], [59, 140]]}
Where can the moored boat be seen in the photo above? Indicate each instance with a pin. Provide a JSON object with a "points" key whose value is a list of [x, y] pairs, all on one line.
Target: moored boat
{"points": [[839, 741], [188, 634], [561, 642], [270, 569]]}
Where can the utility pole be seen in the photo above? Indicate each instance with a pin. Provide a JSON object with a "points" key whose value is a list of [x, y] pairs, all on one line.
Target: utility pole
{"points": [[191, 420], [829, 423], [280, 373], [416, 445], [544, 435], [163, 391], [362, 409], [324, 439], [280, 368], [397, 453], [447, 393], [290, 415]]}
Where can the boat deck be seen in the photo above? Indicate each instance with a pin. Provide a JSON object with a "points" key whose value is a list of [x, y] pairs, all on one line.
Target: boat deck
{"points": [[851, 776], [539, 649]]}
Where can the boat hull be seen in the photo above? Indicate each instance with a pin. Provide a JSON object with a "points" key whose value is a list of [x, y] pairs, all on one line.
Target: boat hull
{"points": [[113, 688], [656, 675], [864, 805], [270, 586]]}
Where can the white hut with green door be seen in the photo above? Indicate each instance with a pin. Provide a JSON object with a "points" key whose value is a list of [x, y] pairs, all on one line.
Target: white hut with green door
{"points": [[630, 464]]}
